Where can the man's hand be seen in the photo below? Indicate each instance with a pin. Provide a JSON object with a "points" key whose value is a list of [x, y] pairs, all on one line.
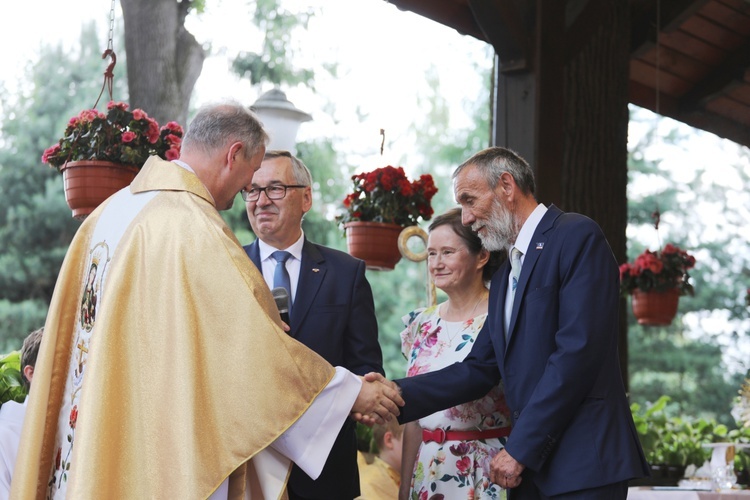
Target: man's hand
{"points": [[378, 400], [505, 471], [376, 377]]}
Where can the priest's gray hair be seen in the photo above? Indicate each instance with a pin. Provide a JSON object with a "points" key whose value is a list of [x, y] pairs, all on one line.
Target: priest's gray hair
{"points": [[220, 124]]}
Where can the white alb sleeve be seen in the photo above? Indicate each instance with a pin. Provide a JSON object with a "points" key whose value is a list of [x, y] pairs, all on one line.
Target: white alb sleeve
{"points": [[309, 440]]}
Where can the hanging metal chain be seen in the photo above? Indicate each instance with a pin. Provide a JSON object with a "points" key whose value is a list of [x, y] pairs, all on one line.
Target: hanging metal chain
{"points": [[110, 44], [109, 75]]}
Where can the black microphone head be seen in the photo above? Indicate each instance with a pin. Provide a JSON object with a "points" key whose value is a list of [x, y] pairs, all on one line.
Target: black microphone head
{"points": [[281, 297]]}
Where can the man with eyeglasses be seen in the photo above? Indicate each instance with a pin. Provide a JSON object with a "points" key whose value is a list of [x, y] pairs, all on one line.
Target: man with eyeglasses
{"points": [[331, 304], [181, 383]]}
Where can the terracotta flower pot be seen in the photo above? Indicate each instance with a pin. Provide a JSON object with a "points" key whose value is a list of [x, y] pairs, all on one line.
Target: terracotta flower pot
{"points": [[90, 182], [655, 308], [374, 242]]}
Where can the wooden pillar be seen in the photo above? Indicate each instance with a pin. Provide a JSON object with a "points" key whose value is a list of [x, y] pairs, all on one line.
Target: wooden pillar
{"points": [[561, 103]]}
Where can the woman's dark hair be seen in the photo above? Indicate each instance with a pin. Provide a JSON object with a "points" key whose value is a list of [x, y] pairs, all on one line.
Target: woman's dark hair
{"points": [[452, 218]]}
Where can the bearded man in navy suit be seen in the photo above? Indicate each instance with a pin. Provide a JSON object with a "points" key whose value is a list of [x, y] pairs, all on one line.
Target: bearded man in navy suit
{"points": [[331, 304], [551, 335]]}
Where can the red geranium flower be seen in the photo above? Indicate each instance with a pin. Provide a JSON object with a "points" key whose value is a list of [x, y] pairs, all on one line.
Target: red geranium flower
{"points": [[658, 271], [386, 195]]}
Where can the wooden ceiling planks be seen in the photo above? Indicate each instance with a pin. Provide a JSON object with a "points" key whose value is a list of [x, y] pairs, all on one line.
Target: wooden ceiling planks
{"points": [[703, 60]]}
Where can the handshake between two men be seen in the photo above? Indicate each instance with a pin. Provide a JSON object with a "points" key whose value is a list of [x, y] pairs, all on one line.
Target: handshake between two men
{"points": [[378, 400]]}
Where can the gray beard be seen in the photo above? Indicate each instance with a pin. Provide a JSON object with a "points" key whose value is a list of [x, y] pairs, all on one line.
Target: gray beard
{"points": [[501, 228]]}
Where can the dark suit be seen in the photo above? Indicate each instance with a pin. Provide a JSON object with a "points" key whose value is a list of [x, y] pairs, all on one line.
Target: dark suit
{"points": [[334, 315], [572, 426]]}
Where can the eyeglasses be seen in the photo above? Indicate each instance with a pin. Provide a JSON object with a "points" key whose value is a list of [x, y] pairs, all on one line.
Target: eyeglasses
{"points": [[273, 192]]}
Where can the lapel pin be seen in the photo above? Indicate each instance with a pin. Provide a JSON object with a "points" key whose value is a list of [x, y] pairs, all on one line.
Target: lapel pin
{"points": [[540, 245], [315, 270]]}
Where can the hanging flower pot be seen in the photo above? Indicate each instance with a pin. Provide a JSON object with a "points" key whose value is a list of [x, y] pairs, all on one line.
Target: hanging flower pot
{"points": [[654, 308], [117, 143], [384, 201], [656, 280], [374, 242], [87, 183]]}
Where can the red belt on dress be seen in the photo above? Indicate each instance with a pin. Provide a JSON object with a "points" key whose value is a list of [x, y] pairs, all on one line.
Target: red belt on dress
{"points": [[440, 436]]}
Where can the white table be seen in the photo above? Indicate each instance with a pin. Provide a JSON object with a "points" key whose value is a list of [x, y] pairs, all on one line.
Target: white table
{"points": [[649, 493]]}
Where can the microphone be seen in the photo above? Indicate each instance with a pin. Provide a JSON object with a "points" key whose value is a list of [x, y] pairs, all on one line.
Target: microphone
{"points": [[281, 297]]}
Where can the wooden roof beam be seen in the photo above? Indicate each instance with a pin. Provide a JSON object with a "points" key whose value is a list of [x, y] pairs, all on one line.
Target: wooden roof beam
{"points": [[723, 78], [644, 96], [505, 28], [453, 15], [643, 20]]}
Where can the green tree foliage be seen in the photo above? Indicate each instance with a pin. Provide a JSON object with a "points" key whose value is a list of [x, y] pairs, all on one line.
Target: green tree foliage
{"points": [[440, 147], [273, 63], [36, 226], [706, 213], [438, 139], [663, 361], [324, 164]]}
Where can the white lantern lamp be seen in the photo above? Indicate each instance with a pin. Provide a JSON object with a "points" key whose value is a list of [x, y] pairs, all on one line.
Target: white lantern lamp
{"points": [[280, 118]]}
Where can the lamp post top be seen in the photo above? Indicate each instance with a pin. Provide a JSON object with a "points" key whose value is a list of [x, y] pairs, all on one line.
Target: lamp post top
{"points": [[275, 101]]}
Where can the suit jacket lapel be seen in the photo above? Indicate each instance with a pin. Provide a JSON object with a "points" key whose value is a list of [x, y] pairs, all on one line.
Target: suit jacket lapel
{"points": [[501, 282], [311, 273], [536, 247], [253, 252]]}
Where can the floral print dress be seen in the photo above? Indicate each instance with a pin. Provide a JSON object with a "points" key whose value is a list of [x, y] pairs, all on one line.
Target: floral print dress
{"points": [[455, 469]]}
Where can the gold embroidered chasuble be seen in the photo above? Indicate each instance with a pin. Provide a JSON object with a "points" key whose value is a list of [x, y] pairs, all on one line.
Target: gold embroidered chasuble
{"points": [[188, 374]]}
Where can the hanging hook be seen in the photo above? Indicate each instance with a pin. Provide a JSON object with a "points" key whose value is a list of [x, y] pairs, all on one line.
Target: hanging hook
{"points": [[109, 75], [656, 217], [110, 69]]}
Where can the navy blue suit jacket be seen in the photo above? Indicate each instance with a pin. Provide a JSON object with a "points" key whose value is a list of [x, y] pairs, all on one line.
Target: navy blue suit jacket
{"points": [[333, 314], [572, 425]]}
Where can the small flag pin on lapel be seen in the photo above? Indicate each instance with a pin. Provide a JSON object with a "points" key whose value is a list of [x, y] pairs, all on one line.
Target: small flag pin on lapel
{"points": [[540, 245]]}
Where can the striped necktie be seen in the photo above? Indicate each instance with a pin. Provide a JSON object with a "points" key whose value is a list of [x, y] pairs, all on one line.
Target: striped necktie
{"points": [[515, 268], [281, 275], [515, 272]]}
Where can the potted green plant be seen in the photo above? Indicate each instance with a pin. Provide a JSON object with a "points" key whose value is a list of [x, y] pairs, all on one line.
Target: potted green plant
{"points": [[671, 443], [100, 153], [11, 386], [741, 414], [656, 280], [381, 204]]}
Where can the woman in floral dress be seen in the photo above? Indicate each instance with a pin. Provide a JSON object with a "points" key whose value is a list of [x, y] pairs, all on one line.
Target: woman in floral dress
{"points": [[447, 455]]}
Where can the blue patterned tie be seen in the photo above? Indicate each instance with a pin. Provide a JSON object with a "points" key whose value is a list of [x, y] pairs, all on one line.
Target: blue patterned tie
{"points": [[280, 274], [515, 267], [515, 272]]}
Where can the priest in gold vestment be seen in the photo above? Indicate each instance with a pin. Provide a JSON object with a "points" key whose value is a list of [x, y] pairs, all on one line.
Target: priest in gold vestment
{"points": [[178, 381]]}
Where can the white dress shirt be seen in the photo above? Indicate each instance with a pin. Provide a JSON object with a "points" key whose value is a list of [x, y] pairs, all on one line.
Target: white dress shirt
{"points": [[523, 240], [293, 264]]}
